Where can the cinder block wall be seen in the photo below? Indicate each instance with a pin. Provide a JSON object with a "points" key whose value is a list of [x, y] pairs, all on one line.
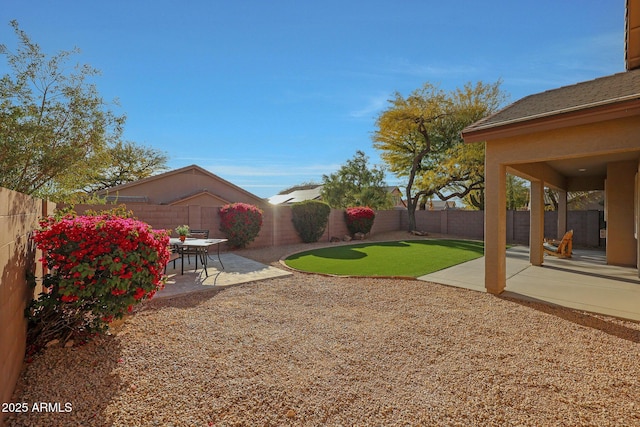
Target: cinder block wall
{"points": [[277, 225], [277, 228], [468, 224], [387, 221], [19, 215], [158, 216]]}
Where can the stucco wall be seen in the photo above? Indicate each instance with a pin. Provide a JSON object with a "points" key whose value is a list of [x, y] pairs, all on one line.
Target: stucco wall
{"points": [[19, 215]]}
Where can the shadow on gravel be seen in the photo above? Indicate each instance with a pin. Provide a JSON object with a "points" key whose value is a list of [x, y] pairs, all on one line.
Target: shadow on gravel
{"points": [[188, 300], [70, 386], [581, 318]]}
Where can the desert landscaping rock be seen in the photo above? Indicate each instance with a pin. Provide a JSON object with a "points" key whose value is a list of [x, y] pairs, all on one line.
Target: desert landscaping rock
{"points": [[310, 350]]}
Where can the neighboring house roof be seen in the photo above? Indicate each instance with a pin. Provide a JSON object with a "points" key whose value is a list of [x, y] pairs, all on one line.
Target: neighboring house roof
{"points": [[605, 91], [440, 205], [396, 196], [127, 199], [314, 193], [392, 189], [198, 196], [297, 196], [180, 185]]}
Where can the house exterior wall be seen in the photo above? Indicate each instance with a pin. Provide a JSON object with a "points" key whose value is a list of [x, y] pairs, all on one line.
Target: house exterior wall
{"points": [[19, 215], [203, 199]]}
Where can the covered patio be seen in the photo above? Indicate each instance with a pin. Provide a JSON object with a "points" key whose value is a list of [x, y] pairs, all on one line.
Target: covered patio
{"points": [[583, 282], [576, 138]]}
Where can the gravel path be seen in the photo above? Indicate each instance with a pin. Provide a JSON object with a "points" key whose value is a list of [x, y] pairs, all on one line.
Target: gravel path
{"points": [[312, 351]]}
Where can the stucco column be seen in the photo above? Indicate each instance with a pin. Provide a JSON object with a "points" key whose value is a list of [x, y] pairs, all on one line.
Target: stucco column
{"points": [[619, 198], [495, 226], [536, 223], [562, 214], [637, 218]]}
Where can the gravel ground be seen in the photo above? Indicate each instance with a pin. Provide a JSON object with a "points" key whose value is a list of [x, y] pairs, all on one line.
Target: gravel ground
{"points": [[310, 350]]}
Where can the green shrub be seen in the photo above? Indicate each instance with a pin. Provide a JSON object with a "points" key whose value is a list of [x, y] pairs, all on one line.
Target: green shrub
{"points": [[241, 223], [310, 219], [359, 219]]}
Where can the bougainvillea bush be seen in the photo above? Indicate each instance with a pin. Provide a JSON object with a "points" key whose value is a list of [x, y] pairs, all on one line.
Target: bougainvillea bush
{"points": [[310, 219], [100, 266], [240, 223], [359, 219]]}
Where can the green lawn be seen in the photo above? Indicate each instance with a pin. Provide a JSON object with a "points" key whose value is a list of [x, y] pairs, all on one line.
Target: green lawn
{"points": [[410, 258]]}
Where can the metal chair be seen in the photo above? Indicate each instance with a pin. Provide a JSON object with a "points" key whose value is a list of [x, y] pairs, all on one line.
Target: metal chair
{"points": [[195, 234]]}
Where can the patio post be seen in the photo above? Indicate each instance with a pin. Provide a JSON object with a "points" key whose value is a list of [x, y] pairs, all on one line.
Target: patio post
{"points": [[636, 193], [536, 224], [562, 214], [495, 226]]}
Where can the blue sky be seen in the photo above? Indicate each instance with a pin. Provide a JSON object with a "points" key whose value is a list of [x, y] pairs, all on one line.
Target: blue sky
{"points": [[269, 94]]}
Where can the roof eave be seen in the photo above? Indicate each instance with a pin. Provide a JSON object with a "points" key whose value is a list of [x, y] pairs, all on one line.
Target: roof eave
{"points": [[554, 120]]}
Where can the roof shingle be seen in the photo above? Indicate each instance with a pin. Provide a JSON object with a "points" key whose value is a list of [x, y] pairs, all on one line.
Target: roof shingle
{"points": [[601, 91]]}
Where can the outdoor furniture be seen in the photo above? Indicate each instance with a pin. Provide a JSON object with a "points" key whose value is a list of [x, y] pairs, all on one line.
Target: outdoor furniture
{"points": [[560, 249], [194, 234], [173, 256], [200, 247]]}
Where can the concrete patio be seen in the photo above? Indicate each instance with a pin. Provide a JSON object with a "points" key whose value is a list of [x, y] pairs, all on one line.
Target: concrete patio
{"points": [[583, 282], [236, 270]]}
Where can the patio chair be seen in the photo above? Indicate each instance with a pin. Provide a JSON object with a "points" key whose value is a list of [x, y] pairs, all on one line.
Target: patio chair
{"points": [[195, 234], [562, 248], [173, 256]]}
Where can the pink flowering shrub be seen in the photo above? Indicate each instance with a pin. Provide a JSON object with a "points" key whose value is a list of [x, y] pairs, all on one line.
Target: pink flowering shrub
{"points": [[240, 223], [359, 219], [100, 266]]}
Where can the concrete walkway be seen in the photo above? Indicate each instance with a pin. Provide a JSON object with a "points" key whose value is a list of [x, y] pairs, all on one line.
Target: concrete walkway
{"points": [[236, 270], [583, 282]]}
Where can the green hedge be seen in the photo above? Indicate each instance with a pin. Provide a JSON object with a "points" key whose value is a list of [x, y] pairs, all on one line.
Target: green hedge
{"points": [[310, 219]]}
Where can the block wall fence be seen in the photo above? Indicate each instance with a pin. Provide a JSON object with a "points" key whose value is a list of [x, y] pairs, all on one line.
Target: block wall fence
{"points": [[19, 215], [278, 230]]}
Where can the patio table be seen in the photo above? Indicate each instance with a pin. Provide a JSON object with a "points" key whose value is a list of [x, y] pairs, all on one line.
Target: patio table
{"points": [[201, 247]]}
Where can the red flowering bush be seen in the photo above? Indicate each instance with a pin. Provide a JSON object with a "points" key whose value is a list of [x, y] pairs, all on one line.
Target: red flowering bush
{"points": [[240, 223], [100, 266], [359, 219]]}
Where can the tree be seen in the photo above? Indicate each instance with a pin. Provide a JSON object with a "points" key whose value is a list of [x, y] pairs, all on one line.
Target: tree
{"points": [[420, 140], [517, 195], [517, 192], [57, 135], [578, 199], [129, 162], [355, 184]]}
